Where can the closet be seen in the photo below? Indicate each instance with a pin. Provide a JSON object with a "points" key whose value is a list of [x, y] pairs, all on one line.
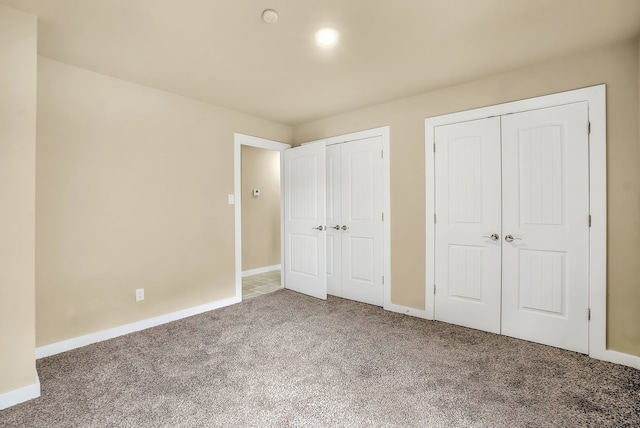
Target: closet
{"points": [[334, 226], [512, 225]]}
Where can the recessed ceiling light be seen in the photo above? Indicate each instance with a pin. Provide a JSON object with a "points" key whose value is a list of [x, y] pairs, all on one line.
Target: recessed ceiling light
{"points": [[270, 16], [326, 37]]}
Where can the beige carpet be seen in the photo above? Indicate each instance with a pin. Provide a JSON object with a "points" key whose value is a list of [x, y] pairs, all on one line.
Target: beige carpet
{"points": [[287, 360]]}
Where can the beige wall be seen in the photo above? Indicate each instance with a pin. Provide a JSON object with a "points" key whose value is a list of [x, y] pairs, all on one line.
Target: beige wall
{"points": [[132, 193], [617, 66], [18, 65], [260, 215]]}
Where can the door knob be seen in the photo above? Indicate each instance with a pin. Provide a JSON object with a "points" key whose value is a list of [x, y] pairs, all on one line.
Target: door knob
{"points": [[336, 227], [344, 227], [493, 236], [510, 238], [320, 228]]}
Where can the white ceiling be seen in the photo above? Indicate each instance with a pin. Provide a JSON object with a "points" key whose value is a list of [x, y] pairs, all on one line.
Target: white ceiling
{"points": [[221, 52]]}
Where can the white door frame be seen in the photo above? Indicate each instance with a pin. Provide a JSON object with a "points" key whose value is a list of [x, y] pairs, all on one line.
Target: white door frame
{"points": [[596, 97], [240, 140], [385, 133]]}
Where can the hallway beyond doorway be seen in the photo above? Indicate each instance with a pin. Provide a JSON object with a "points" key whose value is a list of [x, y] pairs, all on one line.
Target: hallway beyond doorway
{"points": [[260, 284]]}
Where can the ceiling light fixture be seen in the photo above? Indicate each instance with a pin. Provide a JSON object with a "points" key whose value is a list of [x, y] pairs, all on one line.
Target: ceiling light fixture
{"points": [[270, 16], [327, 37]]}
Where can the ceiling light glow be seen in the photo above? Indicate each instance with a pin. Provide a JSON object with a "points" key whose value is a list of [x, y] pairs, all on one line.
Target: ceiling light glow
{"points": [[326, 37]]}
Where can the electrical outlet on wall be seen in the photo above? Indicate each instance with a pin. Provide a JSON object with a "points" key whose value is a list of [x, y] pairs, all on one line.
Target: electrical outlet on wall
{"points": [[139, 294]]}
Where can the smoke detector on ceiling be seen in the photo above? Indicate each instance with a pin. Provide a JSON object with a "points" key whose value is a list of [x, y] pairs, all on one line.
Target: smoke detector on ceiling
{"points": [[270, 16]]}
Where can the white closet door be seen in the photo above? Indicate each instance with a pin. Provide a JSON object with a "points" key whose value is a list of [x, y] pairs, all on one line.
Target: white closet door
{"points": [[305, 250], [468, 209], [334, 221], [362, 234], [546, 211]]}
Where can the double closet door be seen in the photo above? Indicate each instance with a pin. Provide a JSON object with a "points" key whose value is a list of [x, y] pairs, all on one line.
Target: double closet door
{"points": [[333, 220], [512, 225], [354, 220]]}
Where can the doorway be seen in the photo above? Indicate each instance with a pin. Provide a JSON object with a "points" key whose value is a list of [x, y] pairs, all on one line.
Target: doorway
{"points": [[258, 221]]}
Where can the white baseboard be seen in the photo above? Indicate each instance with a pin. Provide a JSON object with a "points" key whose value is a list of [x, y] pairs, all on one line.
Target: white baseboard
{"points": [[78, 342], [605, 355], [260, 270], [419, 313], [29, 392], [20, 395], [617, 358]]}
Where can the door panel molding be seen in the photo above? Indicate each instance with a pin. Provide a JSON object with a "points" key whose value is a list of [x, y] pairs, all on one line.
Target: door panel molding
{"points": [[595, 96]]}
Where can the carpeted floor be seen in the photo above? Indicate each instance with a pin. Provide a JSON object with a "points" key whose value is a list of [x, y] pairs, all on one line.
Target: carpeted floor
{"points": [[287, 360]]}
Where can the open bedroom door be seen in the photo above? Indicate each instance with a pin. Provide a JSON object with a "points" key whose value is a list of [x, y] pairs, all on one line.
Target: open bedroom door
{"points": [[305, 247]]}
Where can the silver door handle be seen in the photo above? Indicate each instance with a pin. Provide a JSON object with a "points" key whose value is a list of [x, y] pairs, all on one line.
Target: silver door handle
{"points": [[510, 238], [493, 236], [344, 227], [320, 228], [336, 227]]}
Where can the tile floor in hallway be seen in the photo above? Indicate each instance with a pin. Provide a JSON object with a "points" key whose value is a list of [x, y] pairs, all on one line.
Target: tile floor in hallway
{"points": [[260, 284]]}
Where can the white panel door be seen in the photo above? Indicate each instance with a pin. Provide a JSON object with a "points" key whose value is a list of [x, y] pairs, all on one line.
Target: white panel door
{"points": [[305, 219], [467, 229], [334, 221], [546, 211], [362, 226]]}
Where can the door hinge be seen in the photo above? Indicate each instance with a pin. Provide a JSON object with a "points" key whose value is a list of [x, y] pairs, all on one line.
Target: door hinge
{"points": [[382, 216], [383, 279], [589, 314], [434, 289], [434, 218], [382, 154], [589, 127], [589, 220], [434, 147]]}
